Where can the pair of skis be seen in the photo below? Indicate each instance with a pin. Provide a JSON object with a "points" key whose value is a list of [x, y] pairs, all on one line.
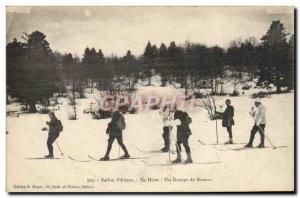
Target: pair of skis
{"points": [[91, 158], [181, 163], [228, 148]]}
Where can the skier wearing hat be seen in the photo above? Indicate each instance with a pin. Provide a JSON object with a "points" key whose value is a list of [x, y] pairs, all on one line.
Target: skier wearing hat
{"points": [[114, 129], [166, 116], [259, 114], [55, 127], [227, 119], [182, 120]]}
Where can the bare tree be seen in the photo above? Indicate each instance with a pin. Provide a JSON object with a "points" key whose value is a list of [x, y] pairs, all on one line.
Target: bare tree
{"points": [[208, 103]]}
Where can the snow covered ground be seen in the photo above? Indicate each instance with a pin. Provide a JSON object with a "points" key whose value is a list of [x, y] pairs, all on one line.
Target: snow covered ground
{"points": [[223, 170]]}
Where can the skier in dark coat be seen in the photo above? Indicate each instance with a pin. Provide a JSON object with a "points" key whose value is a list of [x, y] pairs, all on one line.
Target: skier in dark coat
{"points": [[227, 120], [183, 133], [114, 129], [55, 127]]}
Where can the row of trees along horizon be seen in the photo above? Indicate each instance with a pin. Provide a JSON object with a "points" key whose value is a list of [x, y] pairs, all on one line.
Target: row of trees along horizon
{"points": [[35, 72]]}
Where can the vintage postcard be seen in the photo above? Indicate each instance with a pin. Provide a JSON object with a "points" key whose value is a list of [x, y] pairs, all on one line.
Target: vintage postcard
{"points": [[150, 99]]}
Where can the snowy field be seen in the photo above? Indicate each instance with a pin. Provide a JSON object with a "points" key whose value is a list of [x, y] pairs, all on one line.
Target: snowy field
{"points": [[223, 169]]}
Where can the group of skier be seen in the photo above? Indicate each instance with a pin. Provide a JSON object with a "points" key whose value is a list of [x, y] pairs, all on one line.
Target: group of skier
{"points": [[172, 118], [259, 115]]}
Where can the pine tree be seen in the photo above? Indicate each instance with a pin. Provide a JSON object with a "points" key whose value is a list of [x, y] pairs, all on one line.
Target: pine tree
{"points": [[274, 59], [149, 61], [163, 64], [291, 63], [39, 71], [15, 56]]}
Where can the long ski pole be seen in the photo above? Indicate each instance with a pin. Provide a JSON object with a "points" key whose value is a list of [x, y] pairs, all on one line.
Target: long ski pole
{"points": [[176, 145], [59, 148], [170, 143], [217, 130], [273, 147]]}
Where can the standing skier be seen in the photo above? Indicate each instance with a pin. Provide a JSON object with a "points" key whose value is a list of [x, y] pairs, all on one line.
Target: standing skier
{"points": [[259, 114], [55, 127], [182, 120], [166, 116], [227, 119], [114, 129]]}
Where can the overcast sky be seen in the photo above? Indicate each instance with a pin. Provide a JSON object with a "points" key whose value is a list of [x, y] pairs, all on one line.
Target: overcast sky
{"points": [[117, 29]]}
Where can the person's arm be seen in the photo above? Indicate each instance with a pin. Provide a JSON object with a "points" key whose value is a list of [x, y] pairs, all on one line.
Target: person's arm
{"points": [[108, 128], [220, 113], [252, 111], [49, 123], [231, 112], [176, 122]]}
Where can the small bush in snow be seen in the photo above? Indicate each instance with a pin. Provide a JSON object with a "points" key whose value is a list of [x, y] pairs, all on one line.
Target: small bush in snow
{"points": [[218, 94], [43, 111], [246, 87], [261, 94], [72, 117], [235, 93]]}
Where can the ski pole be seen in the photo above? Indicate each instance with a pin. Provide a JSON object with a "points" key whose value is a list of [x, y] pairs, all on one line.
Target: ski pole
{"points": [[169, 118], [273, 147], [169, 146], [217, 130], [176, 145], [59, 149]]}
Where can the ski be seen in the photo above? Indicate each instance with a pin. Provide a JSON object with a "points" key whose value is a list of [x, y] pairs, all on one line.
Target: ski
{"points": [[251, 148], [201, 142], [43, 158], [115, 159], [226, 144], [182, 163], [214, 145], [76, 160], [218, 149], [153, 151]]}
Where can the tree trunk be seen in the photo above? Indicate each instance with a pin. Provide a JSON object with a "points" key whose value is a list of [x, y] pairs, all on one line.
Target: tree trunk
{"points": [[212, 85], [278, 88], [278, 84], [91, 87], [32, 108]]}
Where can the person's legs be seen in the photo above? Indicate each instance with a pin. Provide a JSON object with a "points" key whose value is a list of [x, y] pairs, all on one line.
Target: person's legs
{"points": [[178, 150], [49, 145], [109, 145], [186, 146], [51, 139], [166, 139], [253, 132], [187, 150], [120, 142], [261, 129], [229, 130]]}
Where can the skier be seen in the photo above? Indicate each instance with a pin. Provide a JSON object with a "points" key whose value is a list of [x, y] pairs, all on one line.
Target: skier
{"points": [[55, 127], [227, 119], [259, 114], [182, 120], [114, 129], [166, 116]]}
